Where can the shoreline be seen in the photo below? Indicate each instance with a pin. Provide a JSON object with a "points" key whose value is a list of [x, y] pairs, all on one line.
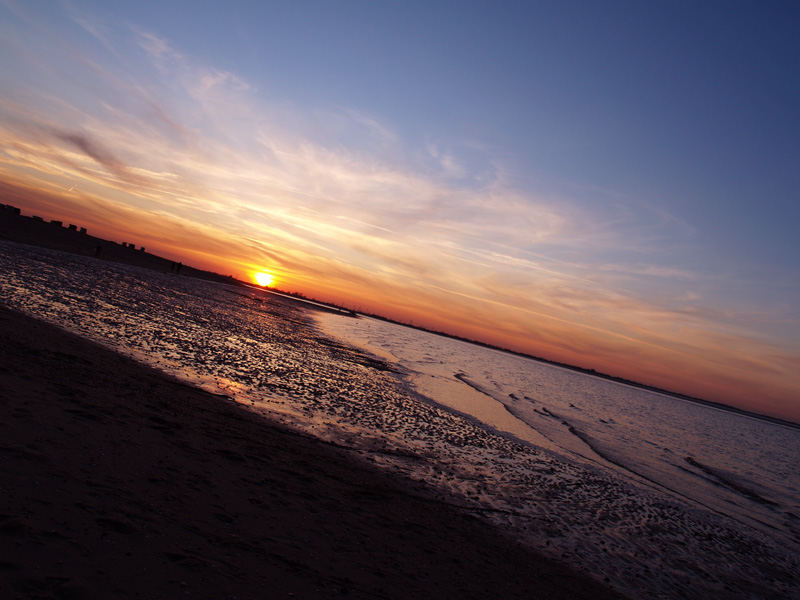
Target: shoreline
{"points": [[597, 374], [121, 481], [19, 228]]}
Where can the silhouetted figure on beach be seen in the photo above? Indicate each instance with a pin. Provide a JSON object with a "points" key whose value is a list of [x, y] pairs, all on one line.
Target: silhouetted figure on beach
{"points": [[98, 250]]}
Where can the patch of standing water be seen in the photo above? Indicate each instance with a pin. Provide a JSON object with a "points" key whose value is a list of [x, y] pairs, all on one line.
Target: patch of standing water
{"points": [[650, 437]]}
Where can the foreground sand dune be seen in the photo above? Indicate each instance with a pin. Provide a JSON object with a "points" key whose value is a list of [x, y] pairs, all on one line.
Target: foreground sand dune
{"points": [[121, 482]]}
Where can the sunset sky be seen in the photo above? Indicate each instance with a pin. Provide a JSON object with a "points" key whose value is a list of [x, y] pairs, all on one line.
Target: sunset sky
{"points": [[609, 184]]}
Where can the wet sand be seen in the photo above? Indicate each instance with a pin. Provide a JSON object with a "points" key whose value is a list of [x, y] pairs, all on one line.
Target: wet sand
{"points": [[118, 481]]}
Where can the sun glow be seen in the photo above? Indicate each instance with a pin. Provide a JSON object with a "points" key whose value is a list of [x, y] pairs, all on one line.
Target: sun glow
{"points": [[264, 279]]}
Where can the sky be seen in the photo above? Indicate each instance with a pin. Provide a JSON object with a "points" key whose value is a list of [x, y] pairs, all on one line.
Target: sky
{"points": [[612, 185]]}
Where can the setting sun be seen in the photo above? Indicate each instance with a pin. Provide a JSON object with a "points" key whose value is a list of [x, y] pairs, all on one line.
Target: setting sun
{"points": [[264, 279]]}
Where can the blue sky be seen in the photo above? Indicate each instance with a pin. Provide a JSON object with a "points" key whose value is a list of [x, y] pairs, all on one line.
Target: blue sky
{"points": [[689, 108], [585, 181]]}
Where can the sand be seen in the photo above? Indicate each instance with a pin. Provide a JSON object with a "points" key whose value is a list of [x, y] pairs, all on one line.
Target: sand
{"points": [[118, 481]]}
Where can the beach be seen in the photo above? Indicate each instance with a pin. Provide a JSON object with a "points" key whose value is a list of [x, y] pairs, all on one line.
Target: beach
{"points": [[119, 481], [398, 406]]}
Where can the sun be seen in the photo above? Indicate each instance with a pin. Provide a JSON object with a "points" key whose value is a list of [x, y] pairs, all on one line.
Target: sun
{"points": [[264, 279]]}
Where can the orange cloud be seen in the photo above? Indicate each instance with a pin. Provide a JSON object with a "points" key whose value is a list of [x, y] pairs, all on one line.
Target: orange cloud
{"points": [[195, 166]]}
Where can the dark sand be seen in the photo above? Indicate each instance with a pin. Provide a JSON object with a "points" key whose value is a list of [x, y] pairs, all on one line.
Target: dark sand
{"points": [[118, 481]]}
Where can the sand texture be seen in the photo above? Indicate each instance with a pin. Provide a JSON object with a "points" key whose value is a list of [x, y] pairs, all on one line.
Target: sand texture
{"points": [[118, 481]]}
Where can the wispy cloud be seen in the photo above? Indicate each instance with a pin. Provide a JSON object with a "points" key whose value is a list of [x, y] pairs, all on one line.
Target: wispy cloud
{"points": [[158, 48], [337, 203]]}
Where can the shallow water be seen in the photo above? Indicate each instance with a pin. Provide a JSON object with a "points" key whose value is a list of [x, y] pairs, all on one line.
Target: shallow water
{"points": [[741, 466], [591, 473]]}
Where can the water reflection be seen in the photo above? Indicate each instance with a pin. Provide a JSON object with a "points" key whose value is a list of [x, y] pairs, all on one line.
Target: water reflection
{"points": [[267, 354]]}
